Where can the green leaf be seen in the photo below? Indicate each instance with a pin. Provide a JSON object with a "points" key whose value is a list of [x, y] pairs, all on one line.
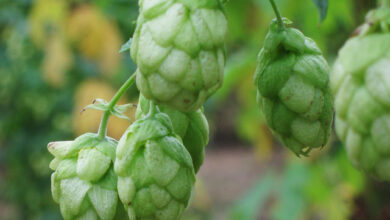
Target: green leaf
{"points": [[126, 46], [119, 109], [119, 114], [101, 101], [322, 6], [125, 107], [97, 104], [101, 107]]}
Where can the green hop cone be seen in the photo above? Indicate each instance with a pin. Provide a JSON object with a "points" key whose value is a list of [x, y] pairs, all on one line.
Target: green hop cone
{"points": [[84, 182], [360, 82], [192, 127], [155, 171], [292, 81], [178, 46]]}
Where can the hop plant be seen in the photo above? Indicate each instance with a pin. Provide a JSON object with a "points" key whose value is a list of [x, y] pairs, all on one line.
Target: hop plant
{"points": [[360, 82], [292, 82], [192, 127], [84, 182], [178, 46], [155, 171]]}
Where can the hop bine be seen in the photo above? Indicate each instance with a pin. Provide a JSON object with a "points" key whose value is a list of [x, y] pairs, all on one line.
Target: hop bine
{"points": [[155, 171], [292, 82], [178, 46], [192, 127], [360, 82], [84, 183]]}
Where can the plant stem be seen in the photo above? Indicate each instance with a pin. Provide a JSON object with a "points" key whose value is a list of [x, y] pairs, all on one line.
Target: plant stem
{"points": [[103, 124], [277, 13]]}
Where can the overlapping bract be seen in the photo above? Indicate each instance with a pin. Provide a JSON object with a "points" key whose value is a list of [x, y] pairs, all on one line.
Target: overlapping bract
{"points": [[178, 46], [360, 81], [192, 127], [155, 171], [292, 81], [84, 183]]}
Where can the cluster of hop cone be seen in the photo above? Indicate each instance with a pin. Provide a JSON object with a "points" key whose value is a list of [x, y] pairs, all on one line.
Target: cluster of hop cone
{"points": [[178, 46]]}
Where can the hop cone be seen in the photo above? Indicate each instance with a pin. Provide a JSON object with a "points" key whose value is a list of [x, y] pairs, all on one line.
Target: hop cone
{"points": [[361, 84], [178, 46], [192, 127], [155, 171], [292, 82], [83, 182]]}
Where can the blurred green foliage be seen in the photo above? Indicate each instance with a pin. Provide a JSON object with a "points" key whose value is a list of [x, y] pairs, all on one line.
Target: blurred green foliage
{"points": [[322, 189], [35, 111], [56, 56]]}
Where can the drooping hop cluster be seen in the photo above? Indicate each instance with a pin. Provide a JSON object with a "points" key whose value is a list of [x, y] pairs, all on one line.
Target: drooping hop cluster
{"points": [[292, 81], [178, 46], [192, 127], [361, 84], [84, 182], [155, 171]]}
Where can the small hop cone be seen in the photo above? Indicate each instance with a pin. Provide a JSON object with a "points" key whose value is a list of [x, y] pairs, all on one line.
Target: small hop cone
{"points": [[292, 81], [84, 182], [360, 82], [192, 127], [178, 46], [155, 171]]}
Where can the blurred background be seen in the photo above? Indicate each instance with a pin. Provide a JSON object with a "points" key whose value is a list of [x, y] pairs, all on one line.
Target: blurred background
{"points": [[56, 56]]}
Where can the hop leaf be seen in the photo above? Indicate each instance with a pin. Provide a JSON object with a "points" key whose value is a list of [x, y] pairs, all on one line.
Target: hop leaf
{"points": [[103, 105], [292, 82], [179, 50], [82, 182], [155, 171], [360, 83]]}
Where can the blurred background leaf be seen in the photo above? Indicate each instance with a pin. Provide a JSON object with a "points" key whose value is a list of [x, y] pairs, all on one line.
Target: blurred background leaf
{"points": [[322, 6]]}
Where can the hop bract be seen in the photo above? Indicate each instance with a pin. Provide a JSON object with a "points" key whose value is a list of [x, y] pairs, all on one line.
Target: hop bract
{"points": [[361, 84], [192, 127], [83, 182], [178, 46], [292, 81], [155, 171]]}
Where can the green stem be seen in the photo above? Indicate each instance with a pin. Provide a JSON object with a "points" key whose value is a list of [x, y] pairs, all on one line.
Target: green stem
{"points": [[103, 124], [277, 13]]}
